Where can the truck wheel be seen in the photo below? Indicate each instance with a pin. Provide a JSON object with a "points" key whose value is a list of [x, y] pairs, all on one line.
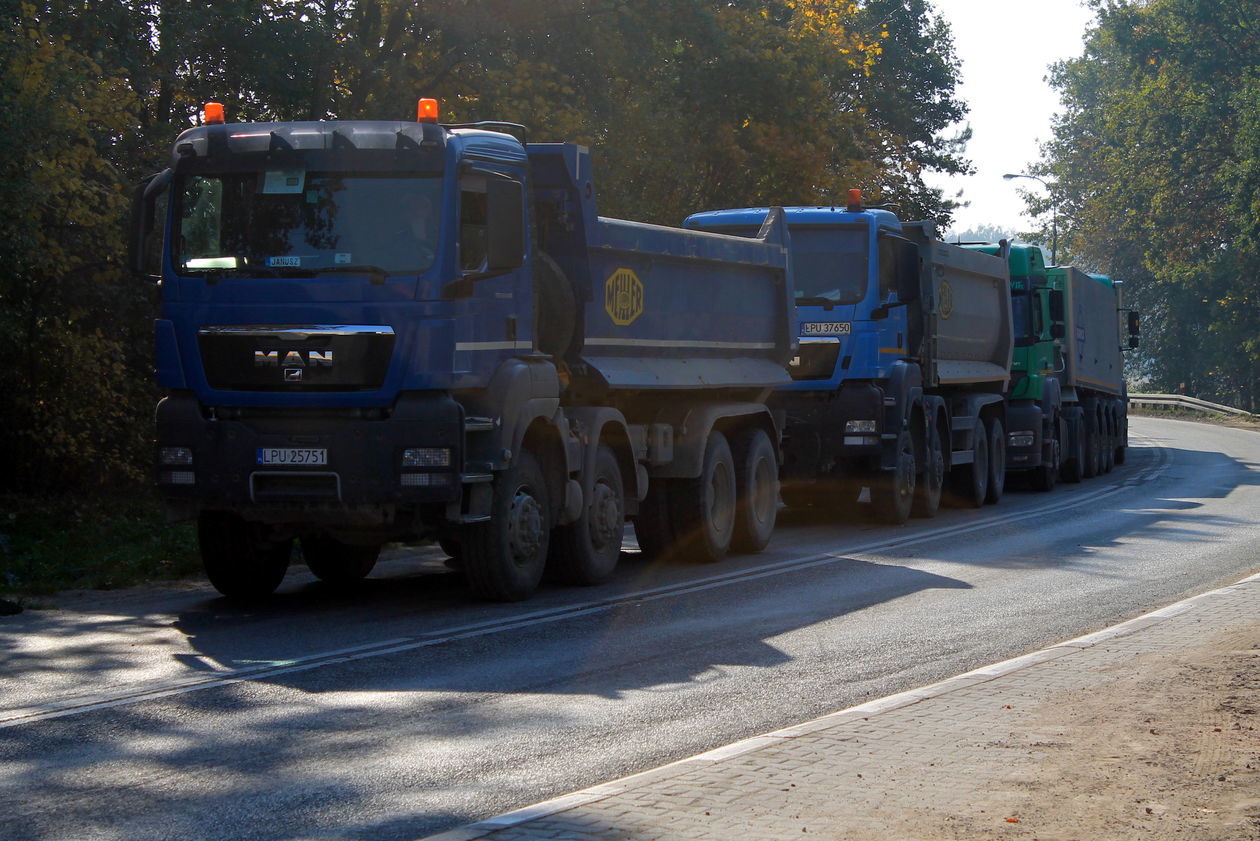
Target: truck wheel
{"points": [[705, 506], [240, 561], [756, 489], [1074, 464], [1045, 476], [586, 551], [1092, 461], [997, 460], [971, 481], [654, 524], [892, 491], [927, 493], [1108, 444], [338, 563], [504, 558]]}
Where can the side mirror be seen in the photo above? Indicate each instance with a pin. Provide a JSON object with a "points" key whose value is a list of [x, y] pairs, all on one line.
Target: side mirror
{"points": [[909, 272], [505, 221], [1058, 310], [1133, 342], [143, 258], [1134, 324], [1058, 331]]}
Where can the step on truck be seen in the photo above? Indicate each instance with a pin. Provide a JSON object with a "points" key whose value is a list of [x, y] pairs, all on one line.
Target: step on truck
{"points": [[905, 351], [1067, 402], [381, 331]]}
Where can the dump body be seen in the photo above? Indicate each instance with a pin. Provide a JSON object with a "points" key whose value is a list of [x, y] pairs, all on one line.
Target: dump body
{"points": [[966, 309], [1092, 352]]}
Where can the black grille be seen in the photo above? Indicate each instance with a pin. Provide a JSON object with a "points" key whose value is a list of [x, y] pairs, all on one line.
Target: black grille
{"points": [[296, 358], [815, 360]]}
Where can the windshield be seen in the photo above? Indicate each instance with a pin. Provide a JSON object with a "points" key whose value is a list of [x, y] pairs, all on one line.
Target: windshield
{"points": [[293, 222], [829, 265]]}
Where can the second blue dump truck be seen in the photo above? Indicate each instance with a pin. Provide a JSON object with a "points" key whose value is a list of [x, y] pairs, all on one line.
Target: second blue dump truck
{"points": [[376, 331], [905, 354]]}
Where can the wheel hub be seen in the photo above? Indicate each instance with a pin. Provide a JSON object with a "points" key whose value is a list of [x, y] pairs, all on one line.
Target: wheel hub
{"points": [[525, 520], [605, 517]]}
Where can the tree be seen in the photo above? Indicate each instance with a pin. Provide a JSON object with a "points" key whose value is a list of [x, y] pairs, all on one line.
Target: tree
{"points": [[1155, 159]]}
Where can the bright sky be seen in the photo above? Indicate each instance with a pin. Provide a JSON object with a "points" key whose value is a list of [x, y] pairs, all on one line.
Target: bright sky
{"points": [[1006, 48]]}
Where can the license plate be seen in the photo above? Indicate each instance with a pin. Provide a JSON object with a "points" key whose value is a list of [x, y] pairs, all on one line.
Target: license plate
{"points": [[291, 455], [825, 328]]}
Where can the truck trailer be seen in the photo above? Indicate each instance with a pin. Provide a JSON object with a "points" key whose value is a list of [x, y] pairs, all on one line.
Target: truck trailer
{"points": [[905, 355], [376, 331], [1068, 401]]}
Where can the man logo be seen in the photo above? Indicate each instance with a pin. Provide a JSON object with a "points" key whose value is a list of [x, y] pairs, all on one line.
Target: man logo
{"points": [[293, 359]]}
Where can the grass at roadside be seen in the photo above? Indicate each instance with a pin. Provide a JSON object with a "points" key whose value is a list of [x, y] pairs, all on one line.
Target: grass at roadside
{"points": [[1236, 421], [101, 543]]}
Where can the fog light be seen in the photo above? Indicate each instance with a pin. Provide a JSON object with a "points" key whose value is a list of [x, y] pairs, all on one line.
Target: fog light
{"points": [[861, 426], [1022, 439], [427, 457], [175, 455], [180, 477], [861, 440], [425, 480]]}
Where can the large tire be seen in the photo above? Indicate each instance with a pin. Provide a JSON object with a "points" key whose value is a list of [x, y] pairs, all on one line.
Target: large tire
{"points": [[241, 561], [335, 562], [970, 482], [892, 491], [504, 558], [1045, 476], [1074, 464], [654, 524], [586, 551], [997, 460], [756, 490], [1093, 450], [1108, 450], [927, 492], [705, 506]]}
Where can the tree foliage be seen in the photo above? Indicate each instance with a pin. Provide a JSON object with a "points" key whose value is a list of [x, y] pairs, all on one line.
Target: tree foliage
{"points": [[688, 105], [1157, 164]]}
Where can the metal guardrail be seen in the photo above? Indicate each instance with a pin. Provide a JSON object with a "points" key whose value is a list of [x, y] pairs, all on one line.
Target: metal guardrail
{"points": [[1183, 402]]}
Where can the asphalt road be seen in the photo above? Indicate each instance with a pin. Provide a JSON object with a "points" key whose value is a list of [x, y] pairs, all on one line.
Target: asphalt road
{"points": [[401, 708]]}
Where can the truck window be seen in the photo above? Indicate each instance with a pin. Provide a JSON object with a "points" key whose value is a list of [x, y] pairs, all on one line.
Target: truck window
{"points": [[829, 265], [301, 223], [1021, 316], [472, 223]]}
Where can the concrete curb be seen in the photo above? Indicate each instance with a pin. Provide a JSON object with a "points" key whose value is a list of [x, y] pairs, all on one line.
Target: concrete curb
{"points": [[484, 828]]}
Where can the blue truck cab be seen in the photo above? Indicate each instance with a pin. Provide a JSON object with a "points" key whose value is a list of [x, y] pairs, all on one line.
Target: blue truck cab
{"points": [[374, 331], [904, 349]]}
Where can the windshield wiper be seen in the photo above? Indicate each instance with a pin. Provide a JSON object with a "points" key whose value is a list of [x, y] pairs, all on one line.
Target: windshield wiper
{"points": [[817, 301]]}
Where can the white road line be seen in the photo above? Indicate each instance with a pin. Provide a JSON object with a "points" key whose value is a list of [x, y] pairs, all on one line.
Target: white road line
{"points": [[200, 681]]}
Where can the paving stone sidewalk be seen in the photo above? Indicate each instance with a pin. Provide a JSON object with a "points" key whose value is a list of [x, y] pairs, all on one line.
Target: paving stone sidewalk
{"points": [[936, 753]]}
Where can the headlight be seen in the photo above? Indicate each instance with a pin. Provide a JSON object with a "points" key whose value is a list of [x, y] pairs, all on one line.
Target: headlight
{"points": [[1023, 438], [175, 455], [861, 426], [427, 457]]}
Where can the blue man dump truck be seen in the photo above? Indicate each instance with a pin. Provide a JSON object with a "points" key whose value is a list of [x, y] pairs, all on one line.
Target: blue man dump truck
{"points": [[385, 331], [1067, 404], [905, 354]]}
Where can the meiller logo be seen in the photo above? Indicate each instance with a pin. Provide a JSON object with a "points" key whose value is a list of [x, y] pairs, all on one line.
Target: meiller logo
{"points": [[293, 359]]}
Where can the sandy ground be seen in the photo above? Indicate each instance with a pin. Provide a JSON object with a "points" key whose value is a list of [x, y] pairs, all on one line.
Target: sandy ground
{"points": [[1170, 748]]}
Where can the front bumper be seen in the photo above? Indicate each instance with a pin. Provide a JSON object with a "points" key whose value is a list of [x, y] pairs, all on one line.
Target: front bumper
{"points": [[363, 473]]}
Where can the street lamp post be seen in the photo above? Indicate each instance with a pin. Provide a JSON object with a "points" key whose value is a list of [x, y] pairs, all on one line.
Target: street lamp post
{"points": [[1054, 213]]}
